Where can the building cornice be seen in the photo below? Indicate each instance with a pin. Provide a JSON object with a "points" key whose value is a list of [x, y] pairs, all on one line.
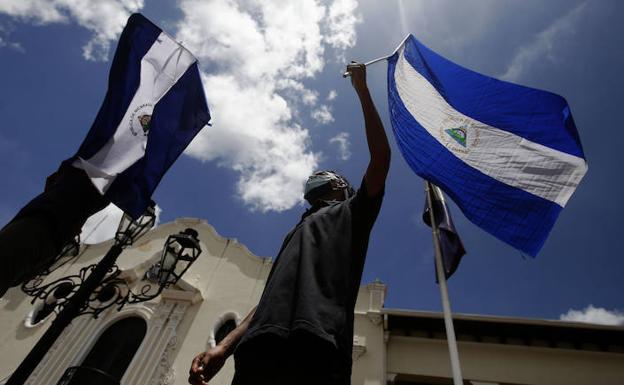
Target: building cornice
{"points": [[507, 331]]}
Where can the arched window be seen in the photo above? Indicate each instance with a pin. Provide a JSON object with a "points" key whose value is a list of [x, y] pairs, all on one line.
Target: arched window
{"points": [[109, 358], [224, 329]]}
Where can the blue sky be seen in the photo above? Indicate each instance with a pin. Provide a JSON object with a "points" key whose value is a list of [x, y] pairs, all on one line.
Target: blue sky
{"points": [[272, 79]]}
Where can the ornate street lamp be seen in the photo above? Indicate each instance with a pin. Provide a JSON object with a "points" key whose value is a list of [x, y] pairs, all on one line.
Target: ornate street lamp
{"points": [[35, 288], [98, 287], [129, 230], [179, 253]]}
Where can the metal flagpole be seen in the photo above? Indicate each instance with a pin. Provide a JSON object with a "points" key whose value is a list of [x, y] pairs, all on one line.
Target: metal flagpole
{"points": [[347, 73], [446, 305]]}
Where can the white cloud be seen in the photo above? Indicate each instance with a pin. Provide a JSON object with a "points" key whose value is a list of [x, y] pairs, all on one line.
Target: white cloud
{"points": [[341, 21], [594, 315], [10, 44], [322, 114], [5, 41], [255, 55], [543, 44], [253, 135], [40, 11], [332, 95], [104, 18], [102, 225], [342, 140]]}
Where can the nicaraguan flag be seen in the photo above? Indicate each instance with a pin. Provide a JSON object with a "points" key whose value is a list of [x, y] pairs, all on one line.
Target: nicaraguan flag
{"points": [[509, 156], [451, 245], [154, 107]]}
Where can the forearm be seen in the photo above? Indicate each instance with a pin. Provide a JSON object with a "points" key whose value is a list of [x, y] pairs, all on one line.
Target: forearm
{"points": [[379, 149], [229, 343], [376, 138]]}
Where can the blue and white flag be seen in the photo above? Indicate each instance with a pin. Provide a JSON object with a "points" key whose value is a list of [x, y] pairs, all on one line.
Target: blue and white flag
{"points": [[509, 156], [154, 107], [451, 245]]}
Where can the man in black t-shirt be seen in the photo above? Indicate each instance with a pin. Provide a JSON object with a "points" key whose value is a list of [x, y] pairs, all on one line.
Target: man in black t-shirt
{"points": [[31, 241], [301, 332]]}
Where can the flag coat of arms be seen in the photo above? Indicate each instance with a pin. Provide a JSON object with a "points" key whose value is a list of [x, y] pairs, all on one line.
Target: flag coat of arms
{"points": [[508, 155], [154, 107]]}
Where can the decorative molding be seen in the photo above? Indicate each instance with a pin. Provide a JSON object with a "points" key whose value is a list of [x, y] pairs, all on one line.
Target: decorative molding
{"points": [[77, 340], [245, 251], [377, 295], [177, 314], [161, 344], [162, 313], [70, 348], [152, 306], [165, 372], [374, 317], [359, 347], [192, 296]]}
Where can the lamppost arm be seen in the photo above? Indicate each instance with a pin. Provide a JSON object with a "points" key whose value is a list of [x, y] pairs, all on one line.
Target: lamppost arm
{"points": [[128, 232]]}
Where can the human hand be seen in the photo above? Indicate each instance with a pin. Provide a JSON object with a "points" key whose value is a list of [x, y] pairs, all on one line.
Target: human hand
{"points": [[357, 72], [206, 365]]}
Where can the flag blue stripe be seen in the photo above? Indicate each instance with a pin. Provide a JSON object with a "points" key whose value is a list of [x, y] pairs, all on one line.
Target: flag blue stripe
{"points": [[123, 81], [515, 216], [176, 119], [539, 116]]}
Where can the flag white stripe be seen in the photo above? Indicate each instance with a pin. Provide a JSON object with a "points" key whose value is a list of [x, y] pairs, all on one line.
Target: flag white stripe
{"points": [[161, 67], [504, 156]]}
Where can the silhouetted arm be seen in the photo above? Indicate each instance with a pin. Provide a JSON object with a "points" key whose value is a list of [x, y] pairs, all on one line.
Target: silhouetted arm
{"points": [[377, 170]]}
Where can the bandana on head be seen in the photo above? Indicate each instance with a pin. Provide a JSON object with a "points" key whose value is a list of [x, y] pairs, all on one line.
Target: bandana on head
{"points": [[323, 182]]}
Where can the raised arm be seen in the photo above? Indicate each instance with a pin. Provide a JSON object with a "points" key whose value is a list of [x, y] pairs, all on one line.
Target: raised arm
{"points": [[207, 364], [375, 177]]}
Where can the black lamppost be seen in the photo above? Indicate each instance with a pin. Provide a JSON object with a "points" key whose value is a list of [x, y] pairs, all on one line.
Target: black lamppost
{"points": [[179, 253], [98, 287]]}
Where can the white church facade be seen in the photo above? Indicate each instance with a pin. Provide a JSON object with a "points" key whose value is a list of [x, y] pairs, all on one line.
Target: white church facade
{"points": [[153, 343]]}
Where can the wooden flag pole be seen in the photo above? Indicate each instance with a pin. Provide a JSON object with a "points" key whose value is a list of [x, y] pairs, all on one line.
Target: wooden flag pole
{"points": [[446, 305]]}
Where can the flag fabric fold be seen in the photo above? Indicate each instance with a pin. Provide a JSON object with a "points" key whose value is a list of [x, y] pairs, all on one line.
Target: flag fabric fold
{"points": [[154, 107], [451, 244], [508, 155]]}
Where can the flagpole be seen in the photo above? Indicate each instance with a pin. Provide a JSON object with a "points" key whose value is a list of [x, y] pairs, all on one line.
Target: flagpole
{"points": [[347, 73], [446, 305]]}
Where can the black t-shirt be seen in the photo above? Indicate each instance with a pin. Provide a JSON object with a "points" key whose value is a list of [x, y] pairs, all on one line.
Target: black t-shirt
{"points": [[67, 202], [315, 279]]}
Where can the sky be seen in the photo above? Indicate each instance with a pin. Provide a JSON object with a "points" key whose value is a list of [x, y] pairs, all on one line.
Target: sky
{"points": [[271, 73]]}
